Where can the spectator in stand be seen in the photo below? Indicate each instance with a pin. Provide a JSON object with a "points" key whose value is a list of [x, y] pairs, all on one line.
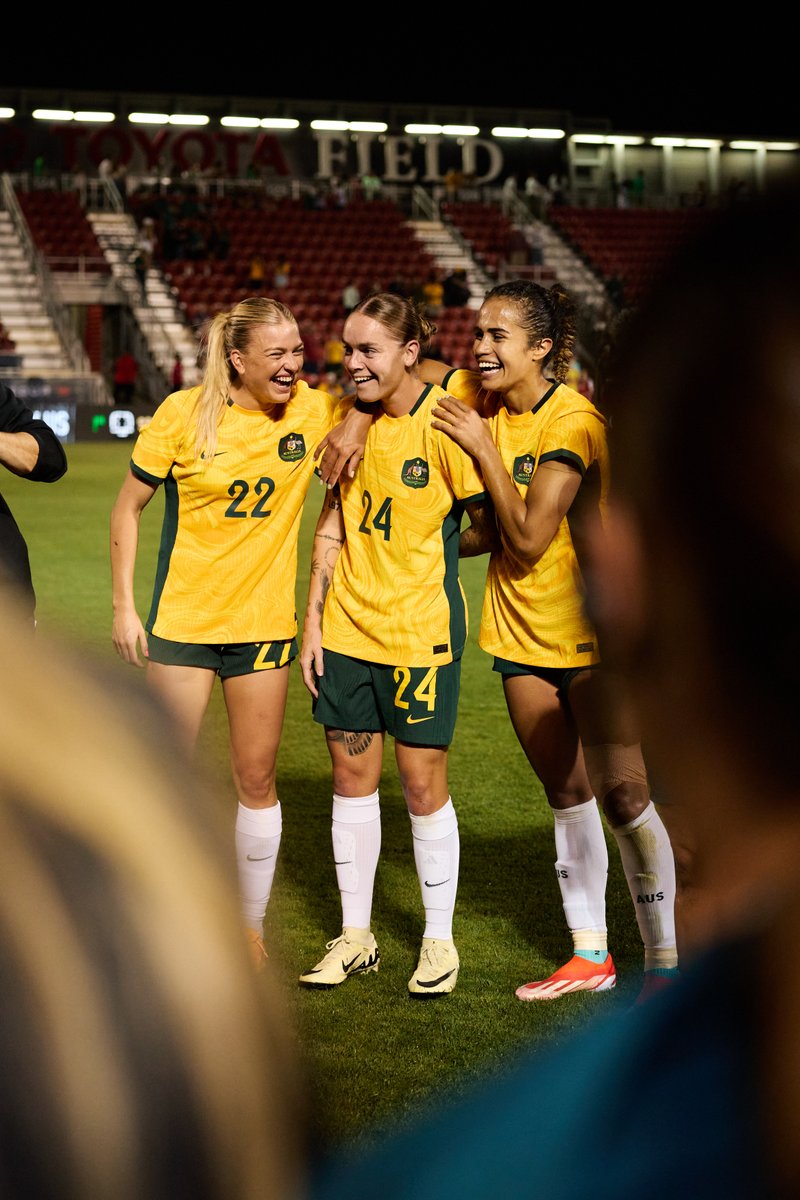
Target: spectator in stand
{"points": [[371, 186], [126, 371], [177, 373], [432, 294], [453, 183], [29, 449], [637, 189], [350, 297], [509, 193], [557, 185], [147, 241], [140, 271], [257, 273], [281, 271], [455, 289], [537, 196], [334, 354]]}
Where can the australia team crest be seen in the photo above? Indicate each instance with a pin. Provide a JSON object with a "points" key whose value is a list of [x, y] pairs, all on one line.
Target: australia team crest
{"points": [[415, 473], [523, 468], [292, 447]]}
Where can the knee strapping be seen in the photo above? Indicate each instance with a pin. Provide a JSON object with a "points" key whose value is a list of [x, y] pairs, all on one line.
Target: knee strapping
{"points": [[611, 765]]}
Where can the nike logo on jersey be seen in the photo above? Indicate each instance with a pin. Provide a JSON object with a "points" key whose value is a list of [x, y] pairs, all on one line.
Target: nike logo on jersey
{"points": [[437, 884], [417, 720]]}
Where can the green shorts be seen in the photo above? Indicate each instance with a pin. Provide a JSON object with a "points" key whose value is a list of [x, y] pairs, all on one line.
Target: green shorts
{"points": [[560, 677], [413, 704], [238, 658]]}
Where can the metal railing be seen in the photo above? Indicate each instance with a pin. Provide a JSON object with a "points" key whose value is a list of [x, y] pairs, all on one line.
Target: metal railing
{"points": [[57, 314]]}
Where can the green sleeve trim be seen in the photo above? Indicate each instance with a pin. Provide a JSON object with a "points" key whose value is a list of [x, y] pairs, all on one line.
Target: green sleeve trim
{"points": [[565, 456], [145, 476]]}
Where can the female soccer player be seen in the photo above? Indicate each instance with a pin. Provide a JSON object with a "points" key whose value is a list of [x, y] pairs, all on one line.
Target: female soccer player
{"points": [[543, 453], [696, 590], [384, 632], [235, 456]]}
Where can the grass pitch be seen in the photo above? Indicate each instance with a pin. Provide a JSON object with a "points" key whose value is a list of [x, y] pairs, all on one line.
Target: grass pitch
{"points": [[372, 1055]]}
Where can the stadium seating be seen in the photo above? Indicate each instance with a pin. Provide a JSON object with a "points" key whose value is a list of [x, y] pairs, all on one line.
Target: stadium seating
{"points": [[629, 244], [366, 242], [493, 239], [61, 231]]}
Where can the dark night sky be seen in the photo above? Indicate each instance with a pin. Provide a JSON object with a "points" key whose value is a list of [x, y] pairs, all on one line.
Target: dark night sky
{"points": [[700, 84]]}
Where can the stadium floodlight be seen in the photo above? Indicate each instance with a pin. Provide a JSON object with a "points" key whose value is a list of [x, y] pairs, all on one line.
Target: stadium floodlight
{"points": [[414, 128], [368, 126], [509, 131], [95, 118], [782, 145], [5, 113], [703, 143], [667, 141], [546, 135], [279, 123], [589, 139], [324, 124], [188, 119], [461, 130], [145, 118], [240, 122], [742, 145], [52, 114], [623, 139]]}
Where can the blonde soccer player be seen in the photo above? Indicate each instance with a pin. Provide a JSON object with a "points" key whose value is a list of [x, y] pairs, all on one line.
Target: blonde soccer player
{"points": [[234, 456]]}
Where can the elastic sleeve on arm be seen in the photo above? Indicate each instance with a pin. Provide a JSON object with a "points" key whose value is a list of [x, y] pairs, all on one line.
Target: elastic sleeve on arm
{"points": [[16, 417], [52, 461]]}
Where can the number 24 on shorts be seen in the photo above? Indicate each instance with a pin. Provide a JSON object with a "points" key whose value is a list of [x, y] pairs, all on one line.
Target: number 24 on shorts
{"points": [[424, 693]]}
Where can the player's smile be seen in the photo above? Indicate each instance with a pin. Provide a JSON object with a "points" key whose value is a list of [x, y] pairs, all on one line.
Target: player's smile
{"points": [[269, 366], [374, 361], [502, 348]]}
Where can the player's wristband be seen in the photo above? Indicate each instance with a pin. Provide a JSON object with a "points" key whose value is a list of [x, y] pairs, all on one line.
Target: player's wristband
{"points": [[362, 407]]}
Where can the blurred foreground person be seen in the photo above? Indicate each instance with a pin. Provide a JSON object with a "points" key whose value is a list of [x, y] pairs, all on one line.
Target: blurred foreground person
{"points": [[141, 1056], [695, 588]]}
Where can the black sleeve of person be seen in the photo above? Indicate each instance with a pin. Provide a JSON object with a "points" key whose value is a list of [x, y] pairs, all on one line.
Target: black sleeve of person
{"points": [[16, 417]]}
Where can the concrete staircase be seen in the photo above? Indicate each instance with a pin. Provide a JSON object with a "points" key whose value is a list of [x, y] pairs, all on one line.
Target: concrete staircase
{"points": [[160, 319], [450, 252], [23, 310]]}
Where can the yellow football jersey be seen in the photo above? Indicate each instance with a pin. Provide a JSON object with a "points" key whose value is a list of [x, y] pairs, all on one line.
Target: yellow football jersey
{"points": [[534, 613], [395, 597], [227, 563]]}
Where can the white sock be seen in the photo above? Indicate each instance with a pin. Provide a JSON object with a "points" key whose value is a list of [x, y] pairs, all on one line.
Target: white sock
{"points": [[356, 835], [436, 854], [582, 871], [649, 867], [258, 837]]}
